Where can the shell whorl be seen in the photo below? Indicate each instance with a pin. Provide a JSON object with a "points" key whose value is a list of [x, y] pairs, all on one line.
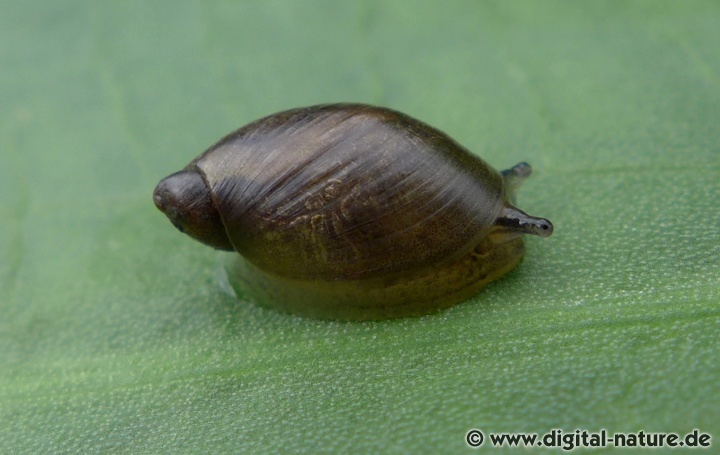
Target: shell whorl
{"points": [[349, 192]]}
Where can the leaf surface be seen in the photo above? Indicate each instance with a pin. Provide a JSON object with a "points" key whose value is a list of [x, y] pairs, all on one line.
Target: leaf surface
{"points": [[119, 335]]}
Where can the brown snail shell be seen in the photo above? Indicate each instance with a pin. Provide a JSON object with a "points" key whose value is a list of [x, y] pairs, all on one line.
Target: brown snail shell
{"points": [[350, 211]]}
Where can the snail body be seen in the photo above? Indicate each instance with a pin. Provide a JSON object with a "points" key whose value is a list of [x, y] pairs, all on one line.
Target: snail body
{"points": [[349, 211]]}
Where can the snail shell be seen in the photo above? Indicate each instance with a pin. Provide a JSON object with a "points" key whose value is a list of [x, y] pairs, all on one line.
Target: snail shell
{"points": [[350, 211]]}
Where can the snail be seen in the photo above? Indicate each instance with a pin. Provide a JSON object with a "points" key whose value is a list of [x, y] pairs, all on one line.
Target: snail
{"points": [[350, 211]]}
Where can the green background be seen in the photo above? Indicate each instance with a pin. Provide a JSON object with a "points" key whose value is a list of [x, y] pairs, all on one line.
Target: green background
{"points": [[120, 335]]}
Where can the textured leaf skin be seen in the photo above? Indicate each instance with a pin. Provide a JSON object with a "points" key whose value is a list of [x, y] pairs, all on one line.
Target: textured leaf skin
{"points": [[119, 335]]}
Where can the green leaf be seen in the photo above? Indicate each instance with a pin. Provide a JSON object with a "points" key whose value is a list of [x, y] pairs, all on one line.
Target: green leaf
{"points": [[120, 335]]}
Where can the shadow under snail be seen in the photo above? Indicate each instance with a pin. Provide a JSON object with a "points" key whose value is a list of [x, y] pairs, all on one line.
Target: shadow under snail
{"points": [[349, 211]]}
